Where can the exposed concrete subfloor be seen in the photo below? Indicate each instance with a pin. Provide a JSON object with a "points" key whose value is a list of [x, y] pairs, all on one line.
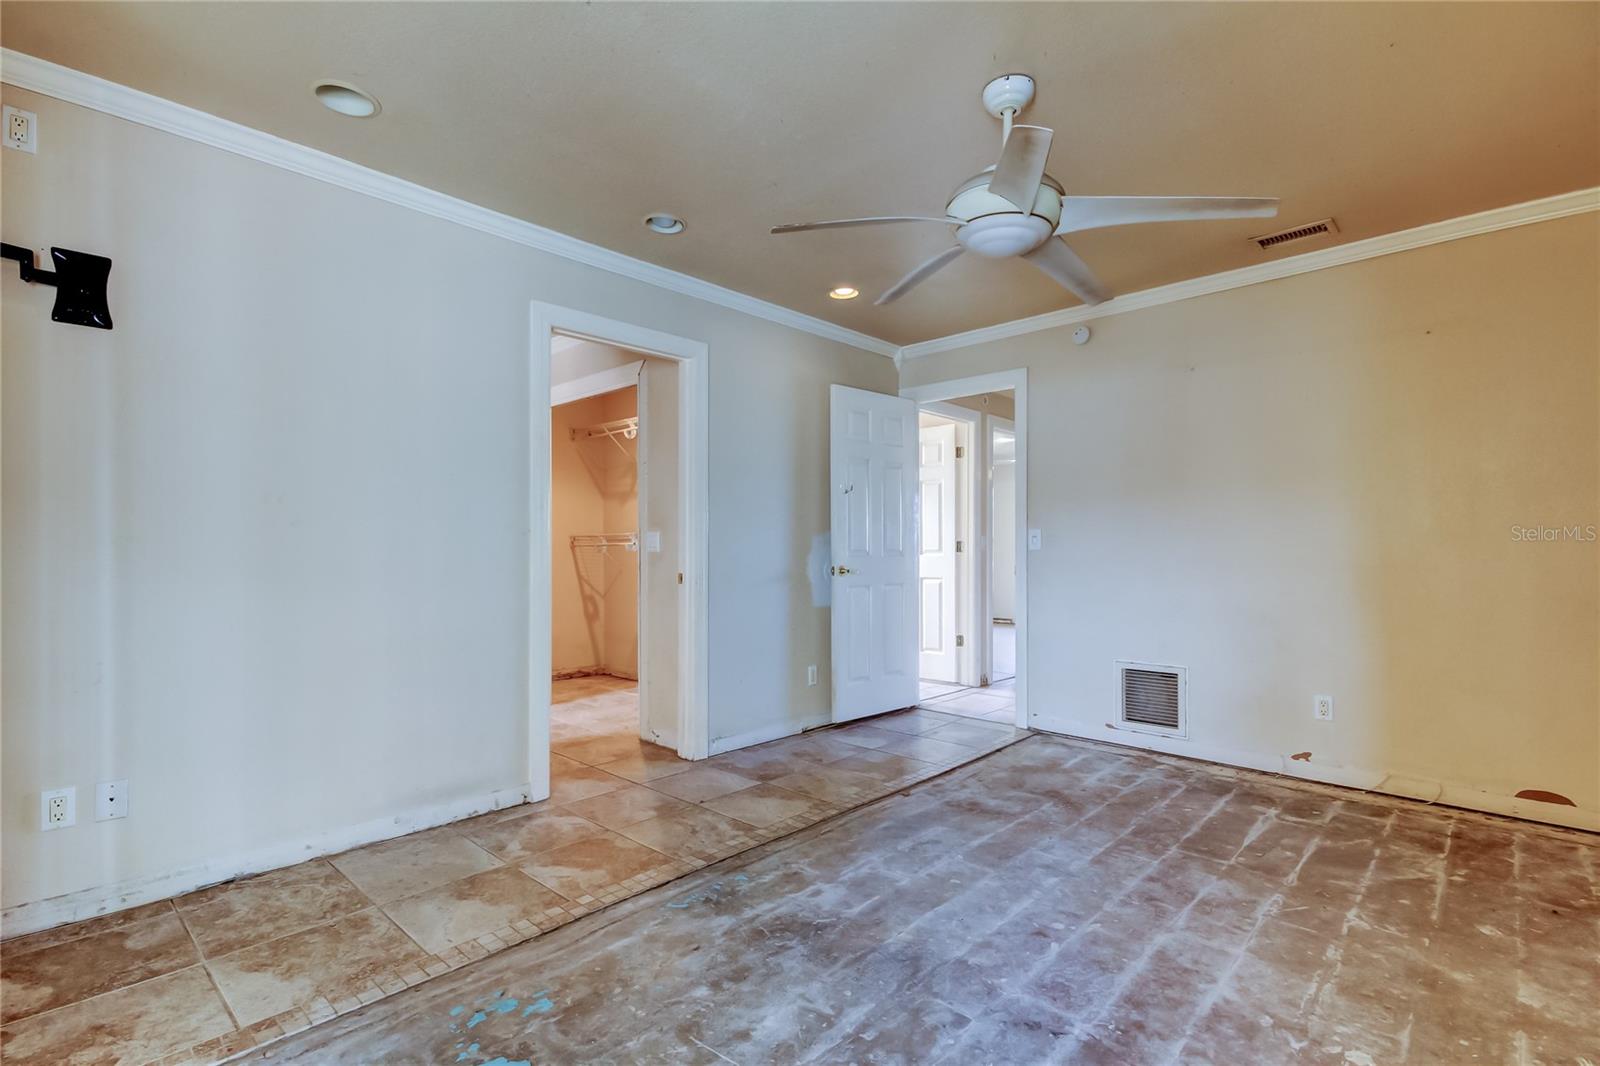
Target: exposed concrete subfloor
{"points": [[1057, 902], [219, 971]]}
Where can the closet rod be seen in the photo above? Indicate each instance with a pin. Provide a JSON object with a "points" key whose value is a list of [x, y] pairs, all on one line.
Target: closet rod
{"points": [[627, 427], [606, 540]]}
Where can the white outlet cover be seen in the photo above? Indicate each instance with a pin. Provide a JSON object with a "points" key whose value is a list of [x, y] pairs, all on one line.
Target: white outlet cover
{"points": [[28, 144], [110, 800], [1322, 708], [64, 799], [811, 674]]}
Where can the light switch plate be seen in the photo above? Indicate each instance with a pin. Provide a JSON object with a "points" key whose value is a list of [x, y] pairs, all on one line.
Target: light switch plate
{"points": [[1035, 539], [652, 540]]}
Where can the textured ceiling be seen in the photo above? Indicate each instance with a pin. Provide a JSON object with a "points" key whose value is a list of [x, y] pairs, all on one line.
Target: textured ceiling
{"points": [[584, 117]]}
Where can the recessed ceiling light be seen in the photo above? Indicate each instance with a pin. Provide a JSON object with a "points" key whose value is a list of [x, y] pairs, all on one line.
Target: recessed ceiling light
{"points": [[663, 223], [346, 99], [844, 292]]}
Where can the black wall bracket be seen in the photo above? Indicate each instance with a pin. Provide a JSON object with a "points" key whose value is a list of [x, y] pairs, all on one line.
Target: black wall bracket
{"points": [[80, 281]]}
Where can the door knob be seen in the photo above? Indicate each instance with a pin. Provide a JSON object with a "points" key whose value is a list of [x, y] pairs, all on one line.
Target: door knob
{"points": [[838, 571]]}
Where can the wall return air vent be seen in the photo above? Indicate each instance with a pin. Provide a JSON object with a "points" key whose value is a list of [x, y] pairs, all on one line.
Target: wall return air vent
{"points": [[1298, 233], [1153, 698]]}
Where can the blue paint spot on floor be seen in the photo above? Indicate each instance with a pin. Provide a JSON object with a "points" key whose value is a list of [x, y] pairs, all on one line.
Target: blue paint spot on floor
{"points": [[457, 1009], [476, 1018], [505, 1006]]}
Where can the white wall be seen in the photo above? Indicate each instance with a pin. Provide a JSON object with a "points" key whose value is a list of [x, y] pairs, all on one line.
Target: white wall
{"points": [[1311, 486], [1003, 541], [265, 543], [573, 357]]}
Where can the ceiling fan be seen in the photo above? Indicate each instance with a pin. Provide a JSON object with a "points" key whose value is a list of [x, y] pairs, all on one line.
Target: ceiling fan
{"points": [[1015, 209]]}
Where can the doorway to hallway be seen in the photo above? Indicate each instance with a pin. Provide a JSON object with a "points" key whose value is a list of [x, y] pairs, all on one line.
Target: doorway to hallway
{"points": [[966, 588]]}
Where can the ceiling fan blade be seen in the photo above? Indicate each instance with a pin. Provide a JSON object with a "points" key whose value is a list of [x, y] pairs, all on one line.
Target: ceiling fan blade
{"points": [[1094, 212], [1021, 166], [919, 275], [840, 223], [1071, 273]]}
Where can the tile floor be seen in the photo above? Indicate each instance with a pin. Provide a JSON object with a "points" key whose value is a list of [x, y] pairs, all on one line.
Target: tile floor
{"points": [[996, 702], [231, 967], [1060, 902]]}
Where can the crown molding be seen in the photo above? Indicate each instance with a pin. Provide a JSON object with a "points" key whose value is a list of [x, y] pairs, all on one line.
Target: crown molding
{"points": [[1551, 207], [75, 87]]}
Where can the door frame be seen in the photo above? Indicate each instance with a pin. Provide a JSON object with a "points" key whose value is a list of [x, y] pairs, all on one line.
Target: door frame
{"points": [[694, 715], [999, 381], [971, 588]]}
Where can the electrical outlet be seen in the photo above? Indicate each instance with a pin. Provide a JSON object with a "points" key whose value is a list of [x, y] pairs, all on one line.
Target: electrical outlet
{"points": [[21, 130], [811, 674], [58, 808], [110, 800], [1323, 708]]}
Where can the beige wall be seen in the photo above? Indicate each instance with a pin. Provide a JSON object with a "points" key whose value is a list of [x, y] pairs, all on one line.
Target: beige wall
{"points": [[1310, 486], [594, 595], [265, 543]]}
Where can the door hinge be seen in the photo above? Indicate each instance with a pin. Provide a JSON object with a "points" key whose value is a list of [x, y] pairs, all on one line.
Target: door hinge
{"points": [[961, 642], [959, 546], [961, 453], [680, 577]]}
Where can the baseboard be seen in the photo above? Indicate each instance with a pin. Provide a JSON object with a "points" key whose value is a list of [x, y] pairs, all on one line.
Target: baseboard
{"points": [[91, 902], [761, 736], [1385, 782], [592, 671]]}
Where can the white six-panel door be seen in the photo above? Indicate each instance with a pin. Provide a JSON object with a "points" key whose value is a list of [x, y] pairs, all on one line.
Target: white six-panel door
{"points": [[873, 467], [937, 559]]}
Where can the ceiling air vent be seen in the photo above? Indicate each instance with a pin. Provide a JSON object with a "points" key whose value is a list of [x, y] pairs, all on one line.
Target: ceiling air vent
{"points": [[1299, 233], [1153, 698]]}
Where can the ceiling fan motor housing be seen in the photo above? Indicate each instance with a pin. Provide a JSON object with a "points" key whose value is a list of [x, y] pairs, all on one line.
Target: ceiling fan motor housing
{"points": [[994, 227]]}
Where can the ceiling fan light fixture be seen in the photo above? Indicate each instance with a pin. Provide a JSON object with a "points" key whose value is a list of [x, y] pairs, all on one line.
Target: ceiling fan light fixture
{"points": [[1004, 236], [663, 223], [844, 292], [346, 99]]}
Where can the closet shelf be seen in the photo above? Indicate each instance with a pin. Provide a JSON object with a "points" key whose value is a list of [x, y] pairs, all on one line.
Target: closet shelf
{"points": [[626, 428], [606, 540]]}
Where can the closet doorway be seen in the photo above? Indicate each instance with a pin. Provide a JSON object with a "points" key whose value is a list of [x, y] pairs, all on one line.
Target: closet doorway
{"points": [[596, 541], [616, 656]]}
